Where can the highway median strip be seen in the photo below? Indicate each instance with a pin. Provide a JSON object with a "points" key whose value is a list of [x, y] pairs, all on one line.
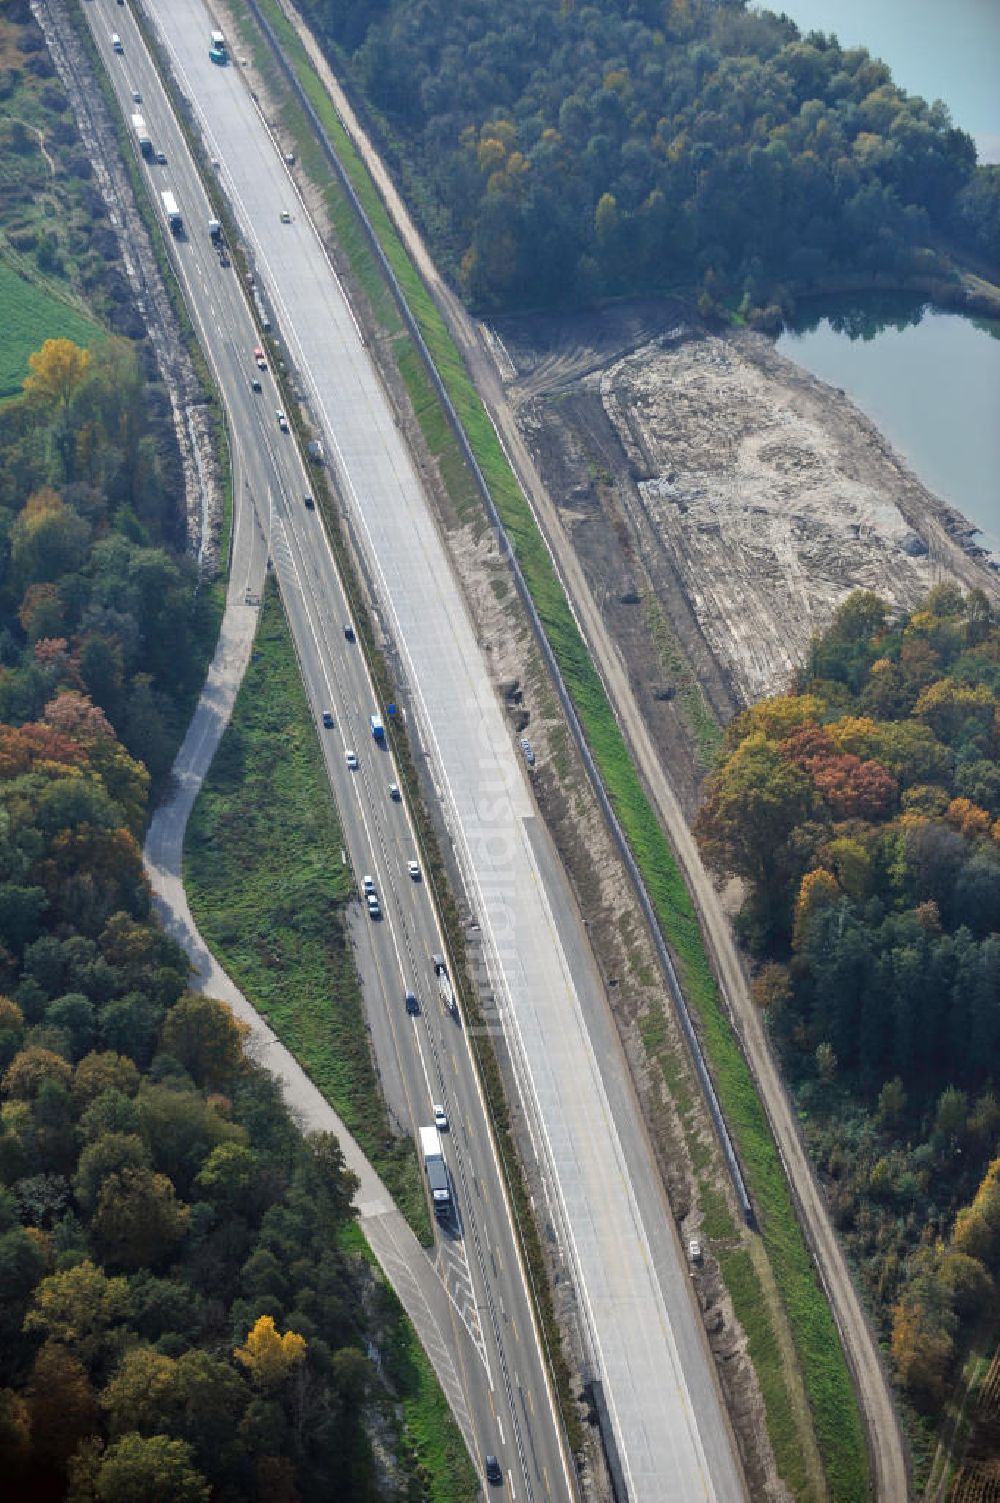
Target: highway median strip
{"points": [[833, 1403]]}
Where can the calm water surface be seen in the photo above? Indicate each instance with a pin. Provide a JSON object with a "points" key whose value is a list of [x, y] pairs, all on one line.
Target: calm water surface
{"points": [[942, 49], [931, 381]]}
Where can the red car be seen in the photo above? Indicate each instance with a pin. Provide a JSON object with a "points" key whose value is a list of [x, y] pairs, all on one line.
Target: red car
{"points": [[260, 358]]}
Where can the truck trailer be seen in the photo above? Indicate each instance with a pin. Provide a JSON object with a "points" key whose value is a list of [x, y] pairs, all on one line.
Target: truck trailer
{"points": [[436, 1170], [172, 212], [142, 136], [444, 984]]}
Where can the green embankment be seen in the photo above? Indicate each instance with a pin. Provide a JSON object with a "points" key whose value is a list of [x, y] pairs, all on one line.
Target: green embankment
{"points": [[441, 1459], [832, 1398], [31, 315], [268, 888]]}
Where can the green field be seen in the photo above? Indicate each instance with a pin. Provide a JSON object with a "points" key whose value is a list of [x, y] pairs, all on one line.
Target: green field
{"points": [[28, 316], [268, 890]]}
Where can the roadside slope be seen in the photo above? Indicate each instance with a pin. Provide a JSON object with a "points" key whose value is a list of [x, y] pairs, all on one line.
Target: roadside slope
{"points": [[403, 1261], [885, 1440]]}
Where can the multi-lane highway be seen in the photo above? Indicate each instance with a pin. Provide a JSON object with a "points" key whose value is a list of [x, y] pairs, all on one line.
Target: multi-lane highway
{"points": [[423, 1058], [641, 1329]]}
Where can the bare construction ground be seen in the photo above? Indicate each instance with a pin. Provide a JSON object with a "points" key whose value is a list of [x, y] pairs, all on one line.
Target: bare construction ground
{"points": [[714, 474]]}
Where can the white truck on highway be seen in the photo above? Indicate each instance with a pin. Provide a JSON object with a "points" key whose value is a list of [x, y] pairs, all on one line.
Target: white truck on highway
{"points": [[172, 212], [142, 136], [444, 983], [436, 1170]]}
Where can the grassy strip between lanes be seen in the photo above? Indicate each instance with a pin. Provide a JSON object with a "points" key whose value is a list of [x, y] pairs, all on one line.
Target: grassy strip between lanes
{"points": [[269, 890], [440, 1459], [836, 1417]]}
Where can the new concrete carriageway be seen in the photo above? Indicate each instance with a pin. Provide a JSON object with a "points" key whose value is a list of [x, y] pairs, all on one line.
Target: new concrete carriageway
{"points": [[647, 1345]]}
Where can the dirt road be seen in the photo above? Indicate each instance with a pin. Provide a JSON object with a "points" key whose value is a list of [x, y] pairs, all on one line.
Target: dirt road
{"points": [[888, 1455]]}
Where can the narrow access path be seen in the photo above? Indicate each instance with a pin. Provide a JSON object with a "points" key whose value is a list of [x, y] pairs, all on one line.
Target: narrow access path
{"points": [[889, 1462], [402, 1259]]}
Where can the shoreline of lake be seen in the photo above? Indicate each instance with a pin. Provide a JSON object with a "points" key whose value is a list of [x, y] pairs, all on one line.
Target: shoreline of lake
{"points": [[939, 52], [927, 380]]}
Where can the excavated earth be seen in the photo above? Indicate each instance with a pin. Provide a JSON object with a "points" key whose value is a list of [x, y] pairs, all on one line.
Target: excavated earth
{"points": [[749, 497]]}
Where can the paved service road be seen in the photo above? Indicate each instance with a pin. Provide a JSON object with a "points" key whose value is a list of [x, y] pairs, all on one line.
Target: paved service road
{"points": [[645, 1336]]}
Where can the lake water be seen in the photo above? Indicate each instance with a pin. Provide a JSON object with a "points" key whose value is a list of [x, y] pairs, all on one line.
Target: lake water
{"points": [[931, 381], [942, 49]]}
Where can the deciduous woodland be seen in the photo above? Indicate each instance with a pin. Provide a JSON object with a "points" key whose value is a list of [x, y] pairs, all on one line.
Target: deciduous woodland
{"points": [[557, 153], [862, 812], [180, 1317], [94, 594]]}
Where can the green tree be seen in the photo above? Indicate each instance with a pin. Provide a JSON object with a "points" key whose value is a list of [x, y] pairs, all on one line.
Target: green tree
{"points": [[211, 1400], [142, 1395], [48, 540], [977, 1227], [139, 1220], [150, 1467], [971, 1289], [891, 1104], [181, 1129], [81, 1308], [206, 1038], [106, 1155], [952, 1114], [228, 1177]]}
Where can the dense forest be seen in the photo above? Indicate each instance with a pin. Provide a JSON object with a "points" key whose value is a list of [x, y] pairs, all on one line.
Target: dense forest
{"points": [[94, 594], [178, 1319], [182, 1314], [862, 812], [560, 152]]}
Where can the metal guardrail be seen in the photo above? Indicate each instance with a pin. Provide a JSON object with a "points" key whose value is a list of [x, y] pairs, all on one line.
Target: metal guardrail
{"points": [[569, 709]]}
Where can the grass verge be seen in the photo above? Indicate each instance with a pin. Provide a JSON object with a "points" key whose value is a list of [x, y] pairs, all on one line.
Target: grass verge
{"points": [[268, 889], [832, 1399], [439, 1459]]}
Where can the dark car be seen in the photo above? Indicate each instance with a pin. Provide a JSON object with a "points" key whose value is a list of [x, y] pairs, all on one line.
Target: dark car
{"points": [[328, 719], [494, 1472], [412, 1005], [310, 503], [254, 383], [348, 631]]}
